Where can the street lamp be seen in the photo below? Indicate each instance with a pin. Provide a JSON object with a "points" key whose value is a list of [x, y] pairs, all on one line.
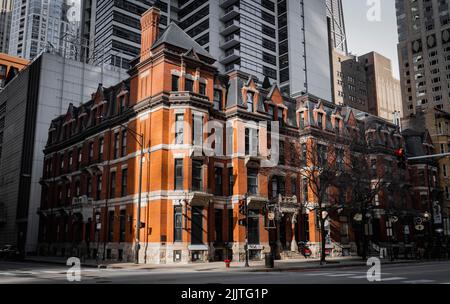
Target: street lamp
{"points": [[246, 231], [139, 138]]}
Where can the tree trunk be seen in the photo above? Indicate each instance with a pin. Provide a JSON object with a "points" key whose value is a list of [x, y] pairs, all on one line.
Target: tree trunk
{"points": [[322, 243]]}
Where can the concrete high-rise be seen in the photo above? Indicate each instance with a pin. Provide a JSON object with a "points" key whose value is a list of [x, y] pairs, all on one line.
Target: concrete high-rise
{"points": [[287, 41], [335, 14], [37, 25], [424, 54], [5, 24], [367, 83]]}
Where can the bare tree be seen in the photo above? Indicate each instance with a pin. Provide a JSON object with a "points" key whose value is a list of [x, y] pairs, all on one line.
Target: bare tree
{"points": [[322, 170]]}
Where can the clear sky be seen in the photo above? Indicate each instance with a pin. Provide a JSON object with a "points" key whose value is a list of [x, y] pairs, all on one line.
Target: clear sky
{"points": [[378, 32]]}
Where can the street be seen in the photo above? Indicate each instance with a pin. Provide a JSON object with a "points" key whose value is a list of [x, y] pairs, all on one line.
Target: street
{"points": [[39, 273]]}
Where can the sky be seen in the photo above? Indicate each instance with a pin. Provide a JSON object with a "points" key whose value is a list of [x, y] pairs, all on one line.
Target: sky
{"points": [[378, 32]]}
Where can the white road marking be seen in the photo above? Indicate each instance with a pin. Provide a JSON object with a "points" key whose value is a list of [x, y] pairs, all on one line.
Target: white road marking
{"points": [[341, 275], [392, 279], [419, 281], [359, 277], [319, 274]]}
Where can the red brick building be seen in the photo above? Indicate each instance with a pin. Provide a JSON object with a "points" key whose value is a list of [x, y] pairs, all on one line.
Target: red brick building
{"points": [[207, 148]]}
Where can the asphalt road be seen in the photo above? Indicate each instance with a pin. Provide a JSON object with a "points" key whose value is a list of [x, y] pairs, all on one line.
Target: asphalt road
{"points": [[35, 273]]}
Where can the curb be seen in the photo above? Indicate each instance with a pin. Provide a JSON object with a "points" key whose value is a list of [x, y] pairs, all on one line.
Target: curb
{"points": [[326, 266]]}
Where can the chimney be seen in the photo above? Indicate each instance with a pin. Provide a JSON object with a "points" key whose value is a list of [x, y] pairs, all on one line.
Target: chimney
{"points": [[149, 30]]}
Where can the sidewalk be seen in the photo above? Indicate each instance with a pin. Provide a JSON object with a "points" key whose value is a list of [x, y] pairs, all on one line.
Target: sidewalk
{"points": [[258, 266]]}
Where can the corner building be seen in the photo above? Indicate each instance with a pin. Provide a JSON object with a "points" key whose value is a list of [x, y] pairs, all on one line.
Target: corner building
{"points": [[190, 194]]}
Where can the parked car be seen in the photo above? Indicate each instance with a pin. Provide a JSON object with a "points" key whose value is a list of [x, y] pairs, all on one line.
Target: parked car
{"points": [[10, 252]]}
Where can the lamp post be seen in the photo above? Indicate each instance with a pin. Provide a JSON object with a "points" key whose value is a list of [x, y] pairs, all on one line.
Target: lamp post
{"points": [[139, 138], [246, 231]]}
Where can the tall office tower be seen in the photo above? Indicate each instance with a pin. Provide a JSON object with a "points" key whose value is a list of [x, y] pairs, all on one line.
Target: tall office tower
{"points": [[243, 35], [424, 54], [5, 24], [112, 29], [335, 15], [37, 25], [303, 44], [240, 34]]}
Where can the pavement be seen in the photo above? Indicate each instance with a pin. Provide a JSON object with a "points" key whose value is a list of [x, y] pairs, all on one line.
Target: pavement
{"points": [[400, 273], [255, 266]]}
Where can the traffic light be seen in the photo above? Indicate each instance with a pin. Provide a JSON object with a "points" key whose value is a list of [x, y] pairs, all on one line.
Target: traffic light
{"points": [[401, 158], [242, 209]]}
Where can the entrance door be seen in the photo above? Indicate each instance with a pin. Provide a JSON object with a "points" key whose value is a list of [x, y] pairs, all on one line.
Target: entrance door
{"points": [[197, 226]]}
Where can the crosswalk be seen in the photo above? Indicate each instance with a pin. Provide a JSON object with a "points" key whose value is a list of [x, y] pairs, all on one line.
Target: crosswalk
{"points": [[385, 277]]}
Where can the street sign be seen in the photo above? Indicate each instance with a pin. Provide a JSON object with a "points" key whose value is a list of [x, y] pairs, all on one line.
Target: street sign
{"points": [[406, 230], [437, 215], [420, 227]]}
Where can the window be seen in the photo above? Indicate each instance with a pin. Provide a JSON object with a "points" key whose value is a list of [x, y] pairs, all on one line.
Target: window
{"points": [[218, 181], [79, 153], [124, 143], [218, 100], [230, 181], [70, 160], [304, 154], [293, 186], [123, 189], [280, 117], [175, 80], [122, 104], [281, 157], [179, 129], [197, 226], [189, 85], [122, 225], [116, 145], [112, 185], [253, 227], [321, 154], [252, 181], [178, 224], [250, 102], [202, 89], [110, 226], [101, 144], [197, 130], [179, 174], [302, 120], [91, 151], [251, 142], [88, 186], [99, 187], [218, 224], [61, 162], [197, 175], [320, 120], [230, 225]]}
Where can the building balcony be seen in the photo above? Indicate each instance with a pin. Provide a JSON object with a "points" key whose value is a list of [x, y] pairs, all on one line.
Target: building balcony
{"points": [[230, 41], [230, 13], [227, 3], [230, 56], [83, 207], [230, 27]]}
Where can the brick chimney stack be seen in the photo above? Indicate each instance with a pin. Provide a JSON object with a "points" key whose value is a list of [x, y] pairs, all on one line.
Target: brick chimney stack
{"points": [[149, 30]]}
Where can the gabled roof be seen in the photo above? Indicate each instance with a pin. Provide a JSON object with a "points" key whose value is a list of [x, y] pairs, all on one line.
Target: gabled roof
{"points": [[175, 36]]}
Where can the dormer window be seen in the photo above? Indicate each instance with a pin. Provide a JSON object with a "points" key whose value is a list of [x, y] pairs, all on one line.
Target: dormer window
{"points": [[250, 101], [271, 111], [121, 104], [336, 125], [301, 119], [320, 120], [218, 100], [280, 116]]}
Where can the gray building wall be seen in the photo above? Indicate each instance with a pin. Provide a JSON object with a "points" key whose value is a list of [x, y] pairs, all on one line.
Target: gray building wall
{"points": [[15, 97], [61, 81]]}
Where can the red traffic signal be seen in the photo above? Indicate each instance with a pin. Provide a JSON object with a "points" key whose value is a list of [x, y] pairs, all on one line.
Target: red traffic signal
{"points": [[400, 153]]}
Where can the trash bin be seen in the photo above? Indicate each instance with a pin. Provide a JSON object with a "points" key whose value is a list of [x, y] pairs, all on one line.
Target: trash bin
{"points": [[269, 261]]}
